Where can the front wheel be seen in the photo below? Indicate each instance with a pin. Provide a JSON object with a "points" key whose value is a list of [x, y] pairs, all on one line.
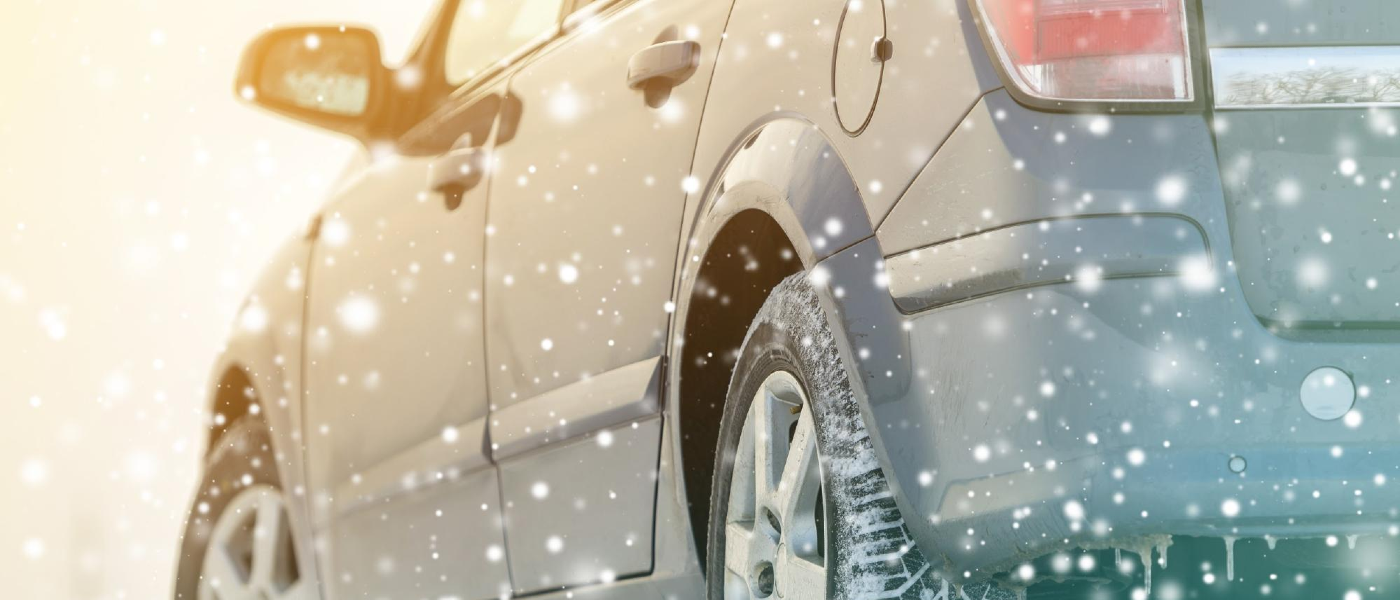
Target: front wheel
{"points": [[800, 507], [238, 542]]}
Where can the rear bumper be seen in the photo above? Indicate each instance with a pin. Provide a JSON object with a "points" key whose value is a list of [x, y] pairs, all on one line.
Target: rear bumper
{"points": [[1036, 417], [1018, 421]]}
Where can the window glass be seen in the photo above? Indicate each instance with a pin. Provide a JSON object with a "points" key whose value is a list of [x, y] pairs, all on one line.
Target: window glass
{"points": [[486, 31], [582, 4]]}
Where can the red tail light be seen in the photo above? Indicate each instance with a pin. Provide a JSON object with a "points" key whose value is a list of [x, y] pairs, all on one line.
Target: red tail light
{"points": [[1092, 50]]}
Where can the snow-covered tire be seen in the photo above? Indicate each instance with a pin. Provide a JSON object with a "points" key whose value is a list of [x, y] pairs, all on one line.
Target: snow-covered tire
{"points": [[240, 470], [869, 552]]}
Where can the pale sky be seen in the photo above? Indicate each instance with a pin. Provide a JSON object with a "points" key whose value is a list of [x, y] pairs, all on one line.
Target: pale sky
{"points": [[137, 202]]}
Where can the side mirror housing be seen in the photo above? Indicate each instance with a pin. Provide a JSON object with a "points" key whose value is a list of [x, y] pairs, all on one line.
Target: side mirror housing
{"points": [[332, 77]]}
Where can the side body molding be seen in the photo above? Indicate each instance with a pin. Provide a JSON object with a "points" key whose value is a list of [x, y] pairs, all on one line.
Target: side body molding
{"points": [[459, 450], [613, 398], [1044, 252]]}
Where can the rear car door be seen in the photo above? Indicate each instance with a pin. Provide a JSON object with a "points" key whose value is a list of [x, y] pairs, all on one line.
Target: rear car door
{"points": [[406, 498], [585, 213]]}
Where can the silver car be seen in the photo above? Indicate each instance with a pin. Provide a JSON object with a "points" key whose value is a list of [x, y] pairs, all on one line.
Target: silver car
{"points": [[923, 299]]}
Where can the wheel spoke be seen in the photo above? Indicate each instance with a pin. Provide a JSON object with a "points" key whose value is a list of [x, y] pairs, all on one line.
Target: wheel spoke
{"points": [[268, 531], [737, 542], [223, 575], [800, 579], [742, 499], [770, 444], [797, 490]]}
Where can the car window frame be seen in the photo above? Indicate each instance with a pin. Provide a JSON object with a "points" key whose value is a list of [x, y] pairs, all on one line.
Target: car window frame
{"points": [[510, 59], [572, 15], [459, 97], [582, 10]]}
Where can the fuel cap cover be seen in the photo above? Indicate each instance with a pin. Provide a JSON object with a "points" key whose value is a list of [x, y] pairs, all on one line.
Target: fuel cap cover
{"points": [[1328, 393]]}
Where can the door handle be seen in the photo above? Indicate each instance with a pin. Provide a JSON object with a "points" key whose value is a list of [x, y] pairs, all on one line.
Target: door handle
{"points": [[456, 172], [664, 62]]}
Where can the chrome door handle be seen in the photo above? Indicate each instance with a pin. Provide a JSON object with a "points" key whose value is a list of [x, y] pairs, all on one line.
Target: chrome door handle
{"points": [[456, 172], [663, 62]]}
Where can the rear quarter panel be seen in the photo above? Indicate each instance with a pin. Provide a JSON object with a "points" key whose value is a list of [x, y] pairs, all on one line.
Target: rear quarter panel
{"points": [[776, 62]]}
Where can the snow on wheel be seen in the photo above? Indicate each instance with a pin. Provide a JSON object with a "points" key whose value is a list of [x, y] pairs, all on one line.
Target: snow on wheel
{"points": [[801, 508]]}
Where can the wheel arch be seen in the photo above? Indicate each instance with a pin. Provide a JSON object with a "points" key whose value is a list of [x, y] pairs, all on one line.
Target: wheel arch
{"points": [[260, 366], [260, 363], [781, 201], [233, 396]]}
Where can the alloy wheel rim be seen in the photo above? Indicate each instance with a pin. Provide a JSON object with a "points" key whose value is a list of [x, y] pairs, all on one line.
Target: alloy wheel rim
{"points": [[773, 523], [250, 554]]}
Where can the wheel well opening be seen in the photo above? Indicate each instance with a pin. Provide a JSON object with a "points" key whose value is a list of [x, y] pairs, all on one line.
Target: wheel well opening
{"points": [[747, 259], [233, 398]]}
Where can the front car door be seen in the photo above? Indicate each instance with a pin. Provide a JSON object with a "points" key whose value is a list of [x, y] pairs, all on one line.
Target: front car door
{"points": [[585, 215], [405, 497]]}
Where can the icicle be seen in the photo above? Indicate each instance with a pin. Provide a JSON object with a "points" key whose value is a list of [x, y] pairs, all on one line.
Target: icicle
{"points": [[1146, 555], [1162, 550], [1271, 541], [1117, 557], [1351, 541], [1230, 558]]}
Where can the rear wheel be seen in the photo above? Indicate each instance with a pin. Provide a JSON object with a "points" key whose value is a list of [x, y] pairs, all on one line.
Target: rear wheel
{"points": [[238, 542], [800, 506], [773, 527]]}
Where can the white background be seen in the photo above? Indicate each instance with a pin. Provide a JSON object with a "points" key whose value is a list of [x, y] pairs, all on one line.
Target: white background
{"points": [[137, 202]]}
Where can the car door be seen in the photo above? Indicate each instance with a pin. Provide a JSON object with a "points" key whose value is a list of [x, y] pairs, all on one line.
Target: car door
{"points": [[585, 214], [406, 498], [395, 395]]}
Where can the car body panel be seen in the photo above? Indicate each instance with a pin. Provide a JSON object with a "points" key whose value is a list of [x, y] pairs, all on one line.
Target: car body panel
{"points": [[431, 541], [395, 368], [583, 237], [938, 70], [570, 529], [1313, 232], [387, 242], [1008, 165], [583, 232]]}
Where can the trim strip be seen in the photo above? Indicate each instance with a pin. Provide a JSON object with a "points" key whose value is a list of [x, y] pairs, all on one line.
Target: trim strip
{"points": [[612, 398], [1042, 253], [1305, 77], [431, 462]]}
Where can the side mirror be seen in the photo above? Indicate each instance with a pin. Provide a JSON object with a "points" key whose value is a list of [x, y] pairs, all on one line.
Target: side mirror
{"points": [[329, 76]]}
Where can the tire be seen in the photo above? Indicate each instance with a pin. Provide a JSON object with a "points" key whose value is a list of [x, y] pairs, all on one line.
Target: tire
{"points": [[240, 491], [867, 550]]}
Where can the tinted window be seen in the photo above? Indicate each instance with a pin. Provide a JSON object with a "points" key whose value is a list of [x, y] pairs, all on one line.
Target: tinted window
{"points": [[486, 31]]}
